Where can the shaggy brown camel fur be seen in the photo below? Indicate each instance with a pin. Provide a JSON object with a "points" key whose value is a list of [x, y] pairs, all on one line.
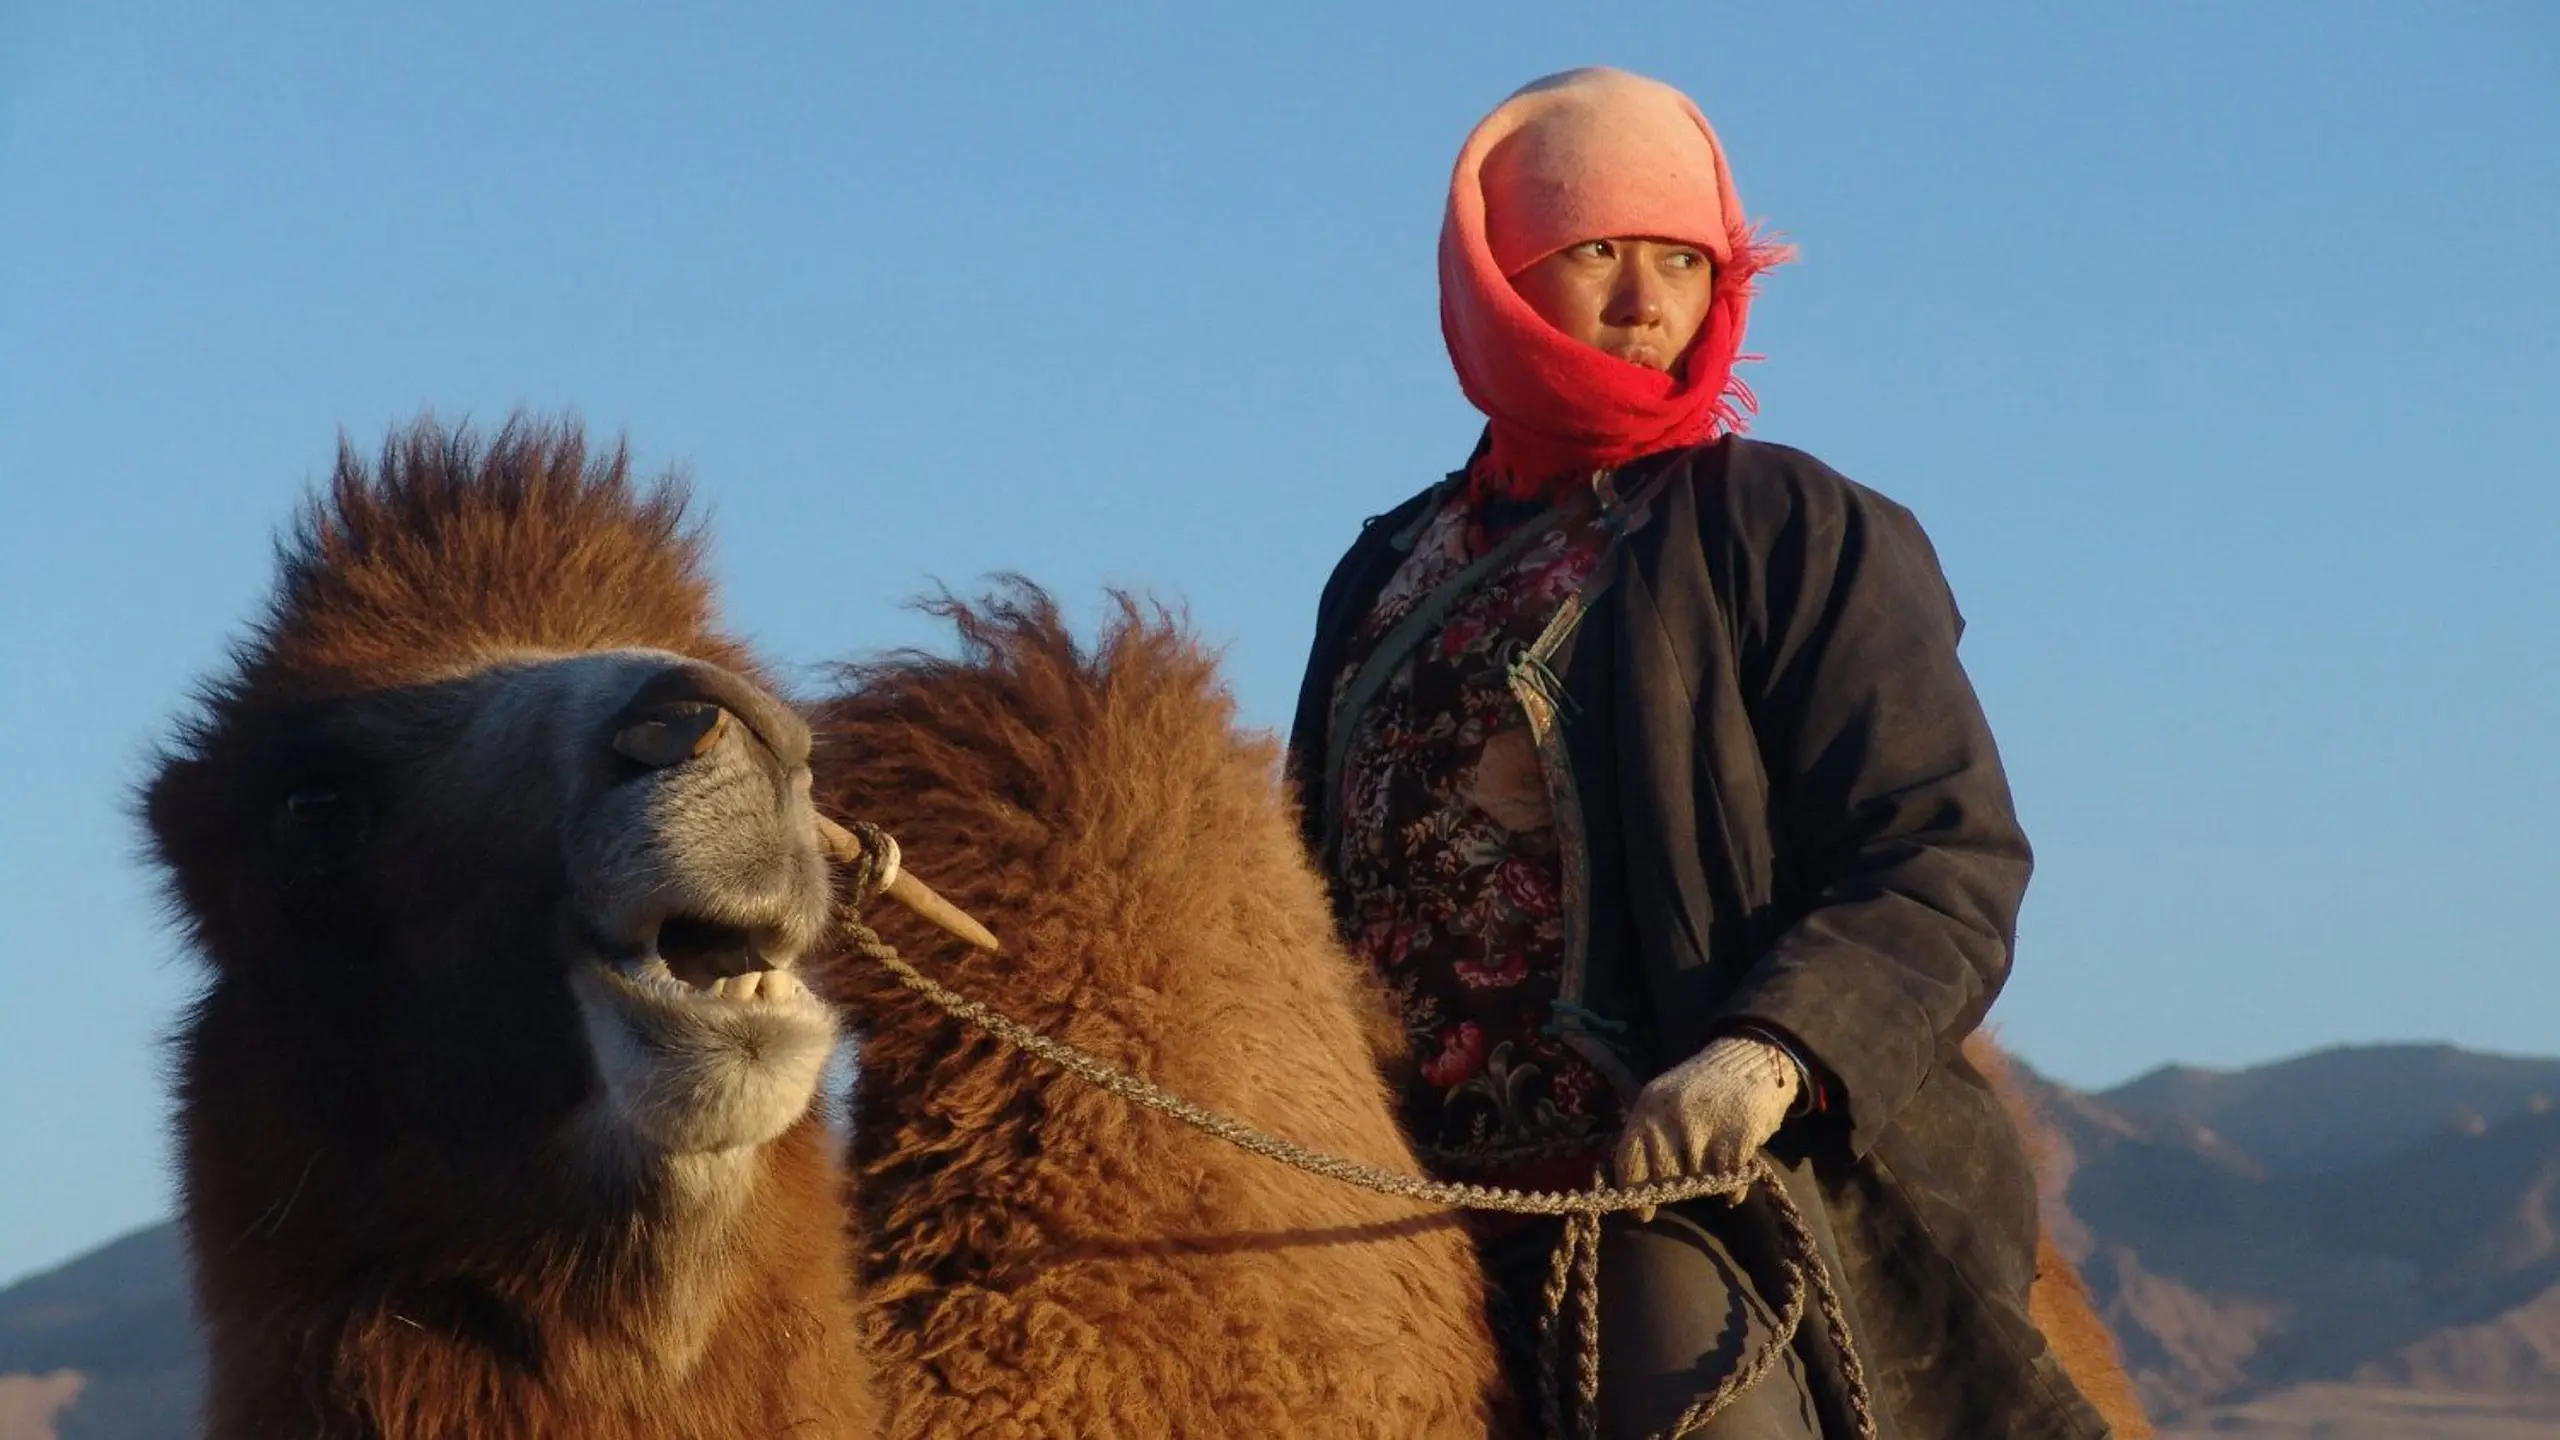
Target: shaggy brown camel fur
{"points": [[1042, 1258], [2059, 1302], [495, 1118]]}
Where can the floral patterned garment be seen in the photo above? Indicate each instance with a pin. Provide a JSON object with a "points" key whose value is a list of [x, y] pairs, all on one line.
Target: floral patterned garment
{"points": [[1450, 875]]}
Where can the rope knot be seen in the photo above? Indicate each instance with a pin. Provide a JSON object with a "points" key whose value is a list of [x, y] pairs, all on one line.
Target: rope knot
{"points": [[870, 867]]}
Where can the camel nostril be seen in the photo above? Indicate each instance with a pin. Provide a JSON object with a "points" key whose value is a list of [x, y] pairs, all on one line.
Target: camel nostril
{"points": [[671, 733], [669, 693]]}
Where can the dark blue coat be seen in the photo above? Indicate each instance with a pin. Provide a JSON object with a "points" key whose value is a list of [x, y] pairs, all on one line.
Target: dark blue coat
{"points": [[1791, 815]]}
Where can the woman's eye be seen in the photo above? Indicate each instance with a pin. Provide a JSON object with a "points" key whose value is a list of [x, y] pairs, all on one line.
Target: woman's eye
{"points": [[1595, 249]]}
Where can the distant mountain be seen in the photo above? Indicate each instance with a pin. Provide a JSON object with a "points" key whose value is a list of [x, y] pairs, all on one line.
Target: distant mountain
{"points": [[2341, 1108], [102, 1348], [2384, 1217], [2358, 1244], [2371, 1412]]}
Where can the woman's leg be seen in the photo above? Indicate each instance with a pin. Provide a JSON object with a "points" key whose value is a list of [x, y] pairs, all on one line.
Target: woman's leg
{"points": [[1677, 1315]]}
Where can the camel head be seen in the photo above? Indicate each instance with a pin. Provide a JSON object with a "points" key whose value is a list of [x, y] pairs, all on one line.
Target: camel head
{"points": [[493, 846]]}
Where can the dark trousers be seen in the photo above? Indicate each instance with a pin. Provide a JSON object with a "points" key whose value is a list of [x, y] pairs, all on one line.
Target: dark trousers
{"points": [[1678, 1313]]}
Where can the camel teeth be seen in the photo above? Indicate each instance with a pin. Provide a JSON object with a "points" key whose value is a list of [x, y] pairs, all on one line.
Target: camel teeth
{"points": [[774, 987], [771, 987]]}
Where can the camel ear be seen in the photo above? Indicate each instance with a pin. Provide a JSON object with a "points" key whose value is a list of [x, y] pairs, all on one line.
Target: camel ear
{"points": [[184, 808]]}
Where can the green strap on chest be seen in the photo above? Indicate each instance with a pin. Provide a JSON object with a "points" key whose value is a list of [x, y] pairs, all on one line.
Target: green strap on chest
{"points": [[1408, 634]]}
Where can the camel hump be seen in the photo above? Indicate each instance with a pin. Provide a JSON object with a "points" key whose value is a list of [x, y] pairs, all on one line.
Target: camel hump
{"points": [[1027, 751]]}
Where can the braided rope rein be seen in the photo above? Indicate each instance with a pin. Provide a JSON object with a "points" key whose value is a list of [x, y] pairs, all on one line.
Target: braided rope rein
{"points": [[1573, 1273]]}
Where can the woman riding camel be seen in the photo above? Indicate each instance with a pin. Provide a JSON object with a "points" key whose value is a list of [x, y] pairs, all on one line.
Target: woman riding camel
{"points": [[1645, 775]]}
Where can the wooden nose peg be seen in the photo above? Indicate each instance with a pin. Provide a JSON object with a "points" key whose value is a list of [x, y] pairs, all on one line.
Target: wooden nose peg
{"points": [[907, 890]]}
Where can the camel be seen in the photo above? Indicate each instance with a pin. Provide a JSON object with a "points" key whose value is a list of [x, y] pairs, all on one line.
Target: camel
{"points": [[1043, 1259], [2059, 1301], [496, 1115], [1040, 1258]]}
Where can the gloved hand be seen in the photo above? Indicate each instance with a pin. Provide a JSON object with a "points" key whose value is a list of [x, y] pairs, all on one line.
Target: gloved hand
{"points": [[1708, 1115]]}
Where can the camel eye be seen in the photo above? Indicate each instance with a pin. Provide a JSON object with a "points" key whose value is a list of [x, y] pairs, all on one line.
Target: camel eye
{"points": [[322, 822], [315, 804]]}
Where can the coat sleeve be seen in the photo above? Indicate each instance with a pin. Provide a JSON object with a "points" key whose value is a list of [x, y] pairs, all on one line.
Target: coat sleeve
{"points": [[1900, 861]]}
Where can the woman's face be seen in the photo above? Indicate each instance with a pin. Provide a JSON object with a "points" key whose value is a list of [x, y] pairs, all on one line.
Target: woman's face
{"points": [[1640, 300]]}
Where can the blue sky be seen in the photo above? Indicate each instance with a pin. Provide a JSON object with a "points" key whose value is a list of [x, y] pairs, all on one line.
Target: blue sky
{"points": [[2214, 344]]}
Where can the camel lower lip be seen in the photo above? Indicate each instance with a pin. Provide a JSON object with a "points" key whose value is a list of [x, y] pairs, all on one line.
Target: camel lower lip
{"points": [[689, 1070]]}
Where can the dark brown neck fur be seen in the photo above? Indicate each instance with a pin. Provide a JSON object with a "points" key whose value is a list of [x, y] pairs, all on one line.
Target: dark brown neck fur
{"points": [[353, 1290]]}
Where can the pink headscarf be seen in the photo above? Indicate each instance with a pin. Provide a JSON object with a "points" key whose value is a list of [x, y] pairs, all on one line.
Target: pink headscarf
{"points": [[1589, 154]]}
